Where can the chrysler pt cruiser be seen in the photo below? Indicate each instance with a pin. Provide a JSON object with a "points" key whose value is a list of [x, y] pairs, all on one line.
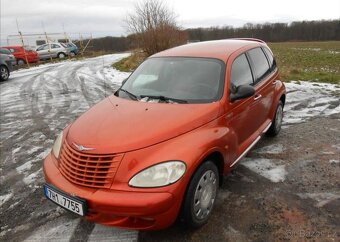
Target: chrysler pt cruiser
{"points": [[158, 148]]}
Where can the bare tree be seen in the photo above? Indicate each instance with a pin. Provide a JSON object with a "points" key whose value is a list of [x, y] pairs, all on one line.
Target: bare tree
{"points": [[154, 26]]}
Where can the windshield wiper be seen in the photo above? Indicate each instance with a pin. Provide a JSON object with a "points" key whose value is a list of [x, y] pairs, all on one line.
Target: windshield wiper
{"points": [[165, 99], [133, 96]]}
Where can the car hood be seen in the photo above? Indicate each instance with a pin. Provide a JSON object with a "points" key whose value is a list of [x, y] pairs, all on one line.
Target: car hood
{"points": [[117, 125]]}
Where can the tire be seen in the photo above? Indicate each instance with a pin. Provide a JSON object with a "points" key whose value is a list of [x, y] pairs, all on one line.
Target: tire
{"points": [[200, 196], [72, 54], [61, 55], [4, 73], [21, 62], [275, 128]]}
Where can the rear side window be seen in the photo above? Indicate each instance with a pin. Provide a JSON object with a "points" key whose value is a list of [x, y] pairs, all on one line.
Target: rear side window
{"points": [[240, 72], [271, 59], [260, 63], [55, 46]]}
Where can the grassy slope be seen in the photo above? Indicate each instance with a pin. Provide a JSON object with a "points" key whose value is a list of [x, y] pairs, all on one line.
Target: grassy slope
{"points": [[307, 61]]}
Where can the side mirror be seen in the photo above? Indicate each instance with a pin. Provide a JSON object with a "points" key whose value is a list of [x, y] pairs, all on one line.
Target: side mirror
{"points": [[242, 91]]}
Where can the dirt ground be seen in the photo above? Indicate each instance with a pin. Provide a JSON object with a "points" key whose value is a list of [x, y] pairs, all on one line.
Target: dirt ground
{"points": [[286, 189]]}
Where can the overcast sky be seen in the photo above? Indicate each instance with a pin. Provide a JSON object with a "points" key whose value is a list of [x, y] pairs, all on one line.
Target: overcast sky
{"points": [[106, 17]]}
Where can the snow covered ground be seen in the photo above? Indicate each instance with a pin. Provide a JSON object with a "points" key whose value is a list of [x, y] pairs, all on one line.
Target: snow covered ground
{"points": [[37, 103]]}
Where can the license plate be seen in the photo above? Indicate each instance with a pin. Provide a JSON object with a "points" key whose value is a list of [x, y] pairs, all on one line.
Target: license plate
{"points": [[72, 204]]}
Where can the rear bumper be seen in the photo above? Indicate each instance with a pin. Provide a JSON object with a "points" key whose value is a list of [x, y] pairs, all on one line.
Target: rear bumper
{"points": [[134, 210]]}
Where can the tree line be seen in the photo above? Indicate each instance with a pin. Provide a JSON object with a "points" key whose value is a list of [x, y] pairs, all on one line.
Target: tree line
{"points": [[270, 32]]}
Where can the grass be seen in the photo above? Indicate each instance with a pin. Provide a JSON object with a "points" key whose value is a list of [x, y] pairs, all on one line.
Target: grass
{"points": [[308, 61], [130, 63], [299, 61]]}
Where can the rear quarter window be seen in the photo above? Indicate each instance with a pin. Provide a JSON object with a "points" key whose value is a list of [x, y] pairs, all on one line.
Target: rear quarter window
{"points": [[260, 63], [271, 59]]}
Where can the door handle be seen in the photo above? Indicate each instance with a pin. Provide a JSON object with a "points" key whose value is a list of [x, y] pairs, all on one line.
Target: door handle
{"points": [[257, 97]]}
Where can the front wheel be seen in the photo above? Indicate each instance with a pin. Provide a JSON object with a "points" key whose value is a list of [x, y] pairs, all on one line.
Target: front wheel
{"points": [[201, 195], [4, 73], [275, 127]]}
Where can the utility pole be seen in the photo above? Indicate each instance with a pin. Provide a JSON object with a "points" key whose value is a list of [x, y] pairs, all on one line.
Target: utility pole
{"points": [[47, 41], [23, 45]]}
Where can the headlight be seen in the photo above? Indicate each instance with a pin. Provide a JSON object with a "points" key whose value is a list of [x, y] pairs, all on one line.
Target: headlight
{"points": [[57, 145], [159, 175]]}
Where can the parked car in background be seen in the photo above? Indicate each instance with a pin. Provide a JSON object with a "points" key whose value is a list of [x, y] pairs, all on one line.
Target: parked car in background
{"points": [[11, 56], [5, 67], [72, 48], [53, 50], [23, 53], [196, 110]]}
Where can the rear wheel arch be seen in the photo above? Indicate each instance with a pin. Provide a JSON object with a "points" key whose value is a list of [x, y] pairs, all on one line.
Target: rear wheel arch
{"points": [[283, 99], [61, 55]]}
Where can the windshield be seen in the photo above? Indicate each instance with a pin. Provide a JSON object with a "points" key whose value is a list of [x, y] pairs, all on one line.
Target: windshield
{"points": [[176, 79]]}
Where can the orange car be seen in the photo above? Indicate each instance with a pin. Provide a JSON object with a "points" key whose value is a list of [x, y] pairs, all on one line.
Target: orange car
{"points": [[158, 147]]}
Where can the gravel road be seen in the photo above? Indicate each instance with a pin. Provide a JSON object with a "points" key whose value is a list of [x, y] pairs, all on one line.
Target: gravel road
{"points": [[287, 188]]}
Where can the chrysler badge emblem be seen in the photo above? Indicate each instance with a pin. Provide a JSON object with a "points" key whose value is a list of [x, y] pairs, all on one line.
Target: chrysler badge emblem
{"points": [[82, 148]]}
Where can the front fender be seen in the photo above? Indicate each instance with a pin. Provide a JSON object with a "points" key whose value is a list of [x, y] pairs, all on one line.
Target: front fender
{"points": [[191, 148]]}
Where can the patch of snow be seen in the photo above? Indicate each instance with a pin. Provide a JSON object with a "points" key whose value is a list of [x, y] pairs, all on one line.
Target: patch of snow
{"points": [[24, 167], [32, 177], [271, 149], [266, 168], [309, 99], [43, 154], [5, 198], [321, 198], [334, 161], [58, 230], [110, 234]]}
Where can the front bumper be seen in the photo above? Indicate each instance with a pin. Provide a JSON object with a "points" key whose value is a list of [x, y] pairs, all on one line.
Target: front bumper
{"points": [[9, 65], [134, 210]]}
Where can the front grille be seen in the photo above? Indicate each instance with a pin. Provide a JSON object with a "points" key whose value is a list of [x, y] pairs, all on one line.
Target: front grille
{"points": [[89, 170]]}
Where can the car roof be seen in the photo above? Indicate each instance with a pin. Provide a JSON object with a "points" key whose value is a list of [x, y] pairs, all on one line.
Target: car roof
{"points": [[12, 46], [219, 49]]}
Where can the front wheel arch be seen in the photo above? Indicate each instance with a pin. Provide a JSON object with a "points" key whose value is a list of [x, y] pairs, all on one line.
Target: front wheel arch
{"points": [[186, 216]]}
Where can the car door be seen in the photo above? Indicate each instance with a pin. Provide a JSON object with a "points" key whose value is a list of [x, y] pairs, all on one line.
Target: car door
{"points": [[240, 114], [264, 85], [43, 51], [55, 49]]}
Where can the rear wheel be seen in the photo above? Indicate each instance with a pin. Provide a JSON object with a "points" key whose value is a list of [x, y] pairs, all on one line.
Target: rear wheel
{"points": [[200, 197], [4, 73], [61, 55], [72, 54], [277, 121], [21, 62]]}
